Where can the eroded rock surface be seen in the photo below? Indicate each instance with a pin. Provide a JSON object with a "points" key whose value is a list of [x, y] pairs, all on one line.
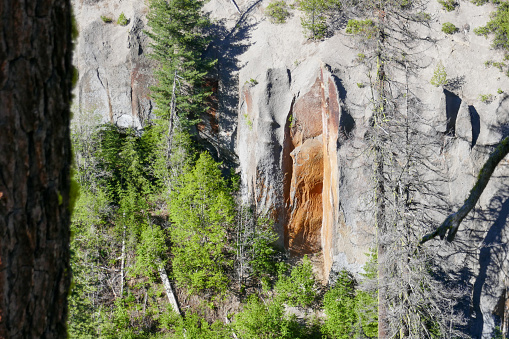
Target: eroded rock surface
{"points": [[114, 71]]}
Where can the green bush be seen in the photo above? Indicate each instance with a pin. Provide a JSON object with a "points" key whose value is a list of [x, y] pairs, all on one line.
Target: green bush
{"points": [[265, 320], [297, 289], [486, 98], [277, 12], [201, 210], [315, 17], [422, 16], [122, 20], [499, 26], [105, 19], [448, 5], [480, 2], [339, 306], [449, 28], [365, 28], [439, 77]]}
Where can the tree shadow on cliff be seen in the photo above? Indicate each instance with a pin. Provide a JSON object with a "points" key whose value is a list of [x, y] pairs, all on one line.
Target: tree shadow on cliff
{"points": [[231, 38], [492, 258]]}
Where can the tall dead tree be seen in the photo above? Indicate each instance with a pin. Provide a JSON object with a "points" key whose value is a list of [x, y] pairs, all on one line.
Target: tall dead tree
{"points": [[35, 160], [412, 302]]}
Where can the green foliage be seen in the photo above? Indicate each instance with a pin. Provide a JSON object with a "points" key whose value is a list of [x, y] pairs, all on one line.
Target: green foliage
{"points": [[448, 5], [265, 320], [365, 28], [439, 77], [497, 334], [86, 241], [192, 326], [298, 288], [277, 12], [422, 16], [352, 312], [340, 308], [366, 299], [254, 251], [361, 57], [252, 82], [122, 20], [361, 85], [75, 76], [486, 98], [178, 42], [150, 251], [106, 19], [500, 91], [449, 28], [499, 26], [291, 120], [201, 210], [315, 17], [480, 2]]}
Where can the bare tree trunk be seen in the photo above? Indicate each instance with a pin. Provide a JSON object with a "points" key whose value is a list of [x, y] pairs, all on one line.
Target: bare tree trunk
{"points": [[122, 265], [169, 291], [453, 221], [35, 95]]}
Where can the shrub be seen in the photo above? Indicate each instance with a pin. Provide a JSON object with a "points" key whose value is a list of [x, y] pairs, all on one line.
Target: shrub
{"points": [[499, 26], [422, 16], [122, 20], [339, 306], [486, 98], [447, 5], [361, 27], [316, 14], [105, 19], [449, 28], [298, 289], [439, 77], [265, 320], [479, 2], [277, 12]]}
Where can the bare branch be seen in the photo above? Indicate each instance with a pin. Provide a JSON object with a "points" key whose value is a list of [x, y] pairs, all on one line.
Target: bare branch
{"points": [[453, 221]]}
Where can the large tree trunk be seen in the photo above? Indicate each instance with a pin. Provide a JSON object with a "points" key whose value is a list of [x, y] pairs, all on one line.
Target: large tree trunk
{"points": [[35, 158], [453, 221]]}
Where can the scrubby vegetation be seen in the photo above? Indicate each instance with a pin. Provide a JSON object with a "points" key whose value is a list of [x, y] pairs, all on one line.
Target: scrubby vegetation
{"points": [[439, 77], [448, 5], [106, 19], [316, 15], [449, 28], [277, 11], [122, 20], [365, 28], [498, 26]]}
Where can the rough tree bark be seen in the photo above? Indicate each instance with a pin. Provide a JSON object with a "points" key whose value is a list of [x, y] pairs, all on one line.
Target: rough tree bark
{"points": [[453, 221], [35, 159]]}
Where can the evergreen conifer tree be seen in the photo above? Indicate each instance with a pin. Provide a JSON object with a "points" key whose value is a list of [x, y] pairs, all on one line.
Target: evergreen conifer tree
{"points": [[178, 43]]}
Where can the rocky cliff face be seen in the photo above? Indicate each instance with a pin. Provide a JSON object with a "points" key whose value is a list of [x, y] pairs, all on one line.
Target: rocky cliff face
{"points": [[294, 113], [114, 71]]}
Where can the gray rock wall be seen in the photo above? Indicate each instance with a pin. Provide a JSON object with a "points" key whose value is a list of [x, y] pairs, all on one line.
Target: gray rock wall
{"points": [[114, 71]]}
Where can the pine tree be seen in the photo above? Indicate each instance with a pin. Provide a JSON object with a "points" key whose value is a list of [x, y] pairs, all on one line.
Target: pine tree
{"points": [[178, 42], [201, 210]]}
